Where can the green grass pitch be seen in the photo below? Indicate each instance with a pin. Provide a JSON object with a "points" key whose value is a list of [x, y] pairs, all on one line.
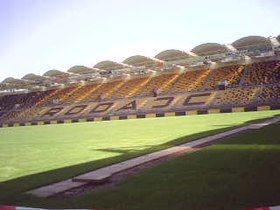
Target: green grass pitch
{"points": [[37, 155], [240, 172]]}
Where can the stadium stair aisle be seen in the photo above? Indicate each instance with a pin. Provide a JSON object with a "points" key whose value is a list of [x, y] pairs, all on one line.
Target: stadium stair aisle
{"points": [[244, 75], [168, 85], [130, 87], [135, 91], [230, 74], [155, 84], [45, 99], [111, 92], [57, 96], [72, 95], [90, 89], [99, 93], [190, 81]]}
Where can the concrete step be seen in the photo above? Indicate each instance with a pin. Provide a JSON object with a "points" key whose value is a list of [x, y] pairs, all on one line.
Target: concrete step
{"points": [[104, 174]]}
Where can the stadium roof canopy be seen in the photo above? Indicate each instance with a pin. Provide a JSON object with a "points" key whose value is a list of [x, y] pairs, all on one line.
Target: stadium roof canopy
{"points": [[252, 42], [278, 38], [171, 55], [32, 77], [10, 81], [140, 60], [55, 73], [109, 65], [81, 70], [209, 49]]}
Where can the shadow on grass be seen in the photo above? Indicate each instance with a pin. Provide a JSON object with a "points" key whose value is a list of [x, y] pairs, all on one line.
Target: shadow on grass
{"points": [[249, 122], [11, 190]]}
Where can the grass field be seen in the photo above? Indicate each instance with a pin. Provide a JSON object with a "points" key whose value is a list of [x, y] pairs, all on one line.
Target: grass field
{"points": [[34, 156], [240, 172]]}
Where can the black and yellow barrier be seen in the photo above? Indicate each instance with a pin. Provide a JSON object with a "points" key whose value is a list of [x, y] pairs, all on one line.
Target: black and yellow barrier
{"points": [[147, 115]]}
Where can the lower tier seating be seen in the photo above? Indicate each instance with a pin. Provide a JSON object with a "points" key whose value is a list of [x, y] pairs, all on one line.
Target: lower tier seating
{"points": [[231, 97], [269, 95], [22, 101], [9, 102], [256, 84], [262, 73], [235, 97]]}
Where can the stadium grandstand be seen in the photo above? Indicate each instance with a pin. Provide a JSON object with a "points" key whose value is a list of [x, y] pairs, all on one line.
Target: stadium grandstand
{"points": [[244, 74], [132, 105]]}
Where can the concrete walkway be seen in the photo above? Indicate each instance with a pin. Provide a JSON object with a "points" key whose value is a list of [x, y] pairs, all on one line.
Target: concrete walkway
{"points": [[104, 174]]}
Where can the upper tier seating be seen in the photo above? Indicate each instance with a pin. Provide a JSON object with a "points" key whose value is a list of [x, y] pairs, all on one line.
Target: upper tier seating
{"points": [[256, 84], [103, 91], [25, 102], [131, 87], [21, 101], [56, 97], [262, 73], [79, 93], [160, 84], [231, 74], [190, 81], [34, 98], [9, 102]]}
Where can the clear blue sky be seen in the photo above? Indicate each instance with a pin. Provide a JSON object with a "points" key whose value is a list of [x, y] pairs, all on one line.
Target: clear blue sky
{"points": [[39, 35]]}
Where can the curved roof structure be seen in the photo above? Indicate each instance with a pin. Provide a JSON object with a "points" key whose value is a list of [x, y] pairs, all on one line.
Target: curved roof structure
{"points": [[81, 70], [109, 65], [209, 49], [171, 55], [252, 42], [278, 38], [12, 81], [54, 73], [139, 60], [33, 77], [9, 80]]}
